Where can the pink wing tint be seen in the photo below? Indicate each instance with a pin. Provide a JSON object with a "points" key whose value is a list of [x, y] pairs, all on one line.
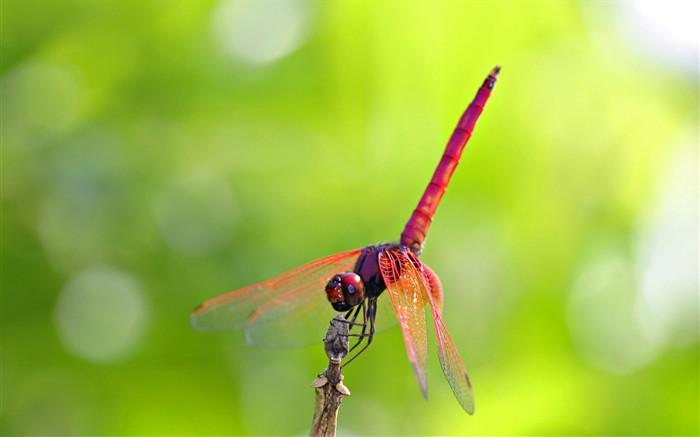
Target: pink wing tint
{"points": [[450, 361], [405, 287], [288, 310]]}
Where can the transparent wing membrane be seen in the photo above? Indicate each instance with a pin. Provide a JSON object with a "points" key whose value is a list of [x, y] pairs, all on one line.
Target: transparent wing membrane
{"points": [[450, 361], [282, 311], [403, 283]]}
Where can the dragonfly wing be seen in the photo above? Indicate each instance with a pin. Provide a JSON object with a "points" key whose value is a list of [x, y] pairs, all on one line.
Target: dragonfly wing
{"points": [[450, 361], [385, 318], [386, 315], [280, 311], [404, 285], [435, 288]]}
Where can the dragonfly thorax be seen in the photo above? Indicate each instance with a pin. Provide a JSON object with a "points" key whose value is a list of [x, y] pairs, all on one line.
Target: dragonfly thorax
{"points": [[368, 268]]}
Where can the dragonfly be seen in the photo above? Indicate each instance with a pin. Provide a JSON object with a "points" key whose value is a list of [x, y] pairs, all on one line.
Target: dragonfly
{"points": [[289, 309]]}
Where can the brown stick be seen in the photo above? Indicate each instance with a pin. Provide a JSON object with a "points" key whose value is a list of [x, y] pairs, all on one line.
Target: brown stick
{"points": [[329, 384]]}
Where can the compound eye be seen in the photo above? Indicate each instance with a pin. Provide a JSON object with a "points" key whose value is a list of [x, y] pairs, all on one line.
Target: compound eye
{"points": [[353, 287], [334, 290], [345, 290]]}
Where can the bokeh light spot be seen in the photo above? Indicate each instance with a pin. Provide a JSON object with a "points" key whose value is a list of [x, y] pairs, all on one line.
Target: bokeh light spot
{"points": [[668, 254], [195, 213], [623, 313], [84, 200], [602, 316], [39, 99], [261, 32], [664, 29], [101, 314]]}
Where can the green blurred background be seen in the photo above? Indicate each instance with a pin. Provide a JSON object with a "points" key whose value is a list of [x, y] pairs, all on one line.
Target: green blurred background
{"points": [[156, 154]]}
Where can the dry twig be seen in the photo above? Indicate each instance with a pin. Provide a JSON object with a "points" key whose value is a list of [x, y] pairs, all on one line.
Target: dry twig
{"points": [[329, 384]]}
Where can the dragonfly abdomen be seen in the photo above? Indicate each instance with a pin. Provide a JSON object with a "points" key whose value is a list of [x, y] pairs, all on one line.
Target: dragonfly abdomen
{"points": [[413, 235]]}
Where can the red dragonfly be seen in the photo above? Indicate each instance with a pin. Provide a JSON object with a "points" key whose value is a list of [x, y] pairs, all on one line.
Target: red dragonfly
{"points": [[288, 310]]}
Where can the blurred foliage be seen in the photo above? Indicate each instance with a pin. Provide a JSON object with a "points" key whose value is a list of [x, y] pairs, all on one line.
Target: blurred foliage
{"points": [[156, 154]]}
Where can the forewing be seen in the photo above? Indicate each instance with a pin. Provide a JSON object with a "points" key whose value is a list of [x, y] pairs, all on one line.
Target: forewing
{"points": [[403, 283], [450, 361], [281, 311]]}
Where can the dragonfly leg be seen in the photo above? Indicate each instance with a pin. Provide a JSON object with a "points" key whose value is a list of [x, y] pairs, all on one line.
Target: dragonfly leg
{"points": [[351, 319], [361, 335], [369, 316], [356, 310]]}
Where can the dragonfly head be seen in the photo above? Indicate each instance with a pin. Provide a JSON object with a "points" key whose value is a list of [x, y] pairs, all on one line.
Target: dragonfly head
{"points": [[345, 291]]}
